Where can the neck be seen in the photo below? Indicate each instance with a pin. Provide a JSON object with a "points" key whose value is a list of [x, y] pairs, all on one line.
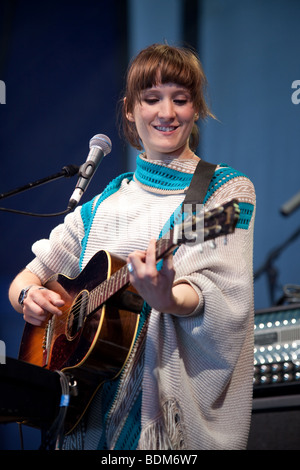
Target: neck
{"points": [[186, 154]]}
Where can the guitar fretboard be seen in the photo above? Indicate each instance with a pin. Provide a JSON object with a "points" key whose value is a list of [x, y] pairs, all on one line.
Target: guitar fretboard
{"points": [[100, 294]]}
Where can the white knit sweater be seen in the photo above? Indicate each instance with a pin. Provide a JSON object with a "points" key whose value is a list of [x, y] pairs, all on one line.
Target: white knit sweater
{"points": [[197, 370]]}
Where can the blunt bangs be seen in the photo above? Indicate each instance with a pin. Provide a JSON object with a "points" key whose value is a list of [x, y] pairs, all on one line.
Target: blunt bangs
{"points": [[164, 64]]}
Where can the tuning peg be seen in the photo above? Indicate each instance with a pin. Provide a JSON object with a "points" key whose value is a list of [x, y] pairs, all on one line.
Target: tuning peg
{"points": [[192, 239]]}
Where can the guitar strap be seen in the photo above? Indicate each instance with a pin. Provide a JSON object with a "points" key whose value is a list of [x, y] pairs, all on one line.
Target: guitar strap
{"points": [[200, 183]]}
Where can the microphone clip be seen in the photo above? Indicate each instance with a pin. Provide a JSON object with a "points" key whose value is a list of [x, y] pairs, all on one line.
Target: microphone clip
{"points": [[87, 169]]}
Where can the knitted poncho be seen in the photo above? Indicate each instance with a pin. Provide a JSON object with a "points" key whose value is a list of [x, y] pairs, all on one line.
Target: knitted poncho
{"points": [[188, 381]]}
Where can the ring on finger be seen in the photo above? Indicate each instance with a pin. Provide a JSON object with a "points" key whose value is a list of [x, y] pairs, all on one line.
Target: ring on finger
{"points": [[130, 267]]}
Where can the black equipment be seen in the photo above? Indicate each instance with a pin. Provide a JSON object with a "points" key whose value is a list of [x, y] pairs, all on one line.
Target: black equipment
{"points": [[32, 395], [277, 346]]}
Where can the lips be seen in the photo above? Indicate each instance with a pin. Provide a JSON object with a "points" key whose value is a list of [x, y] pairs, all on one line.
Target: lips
{"points": [[166, 128]]}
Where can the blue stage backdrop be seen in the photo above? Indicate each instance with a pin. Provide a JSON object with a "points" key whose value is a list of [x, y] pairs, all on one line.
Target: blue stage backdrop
{"points": [[63, 64], [248, 49]]}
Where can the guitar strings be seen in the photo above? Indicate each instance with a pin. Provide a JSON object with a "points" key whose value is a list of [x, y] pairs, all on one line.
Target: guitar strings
{"points": [[100, 292], [99, 295], [96, 297]]}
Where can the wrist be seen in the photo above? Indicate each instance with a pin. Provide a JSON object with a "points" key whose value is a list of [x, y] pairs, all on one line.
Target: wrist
{"points": [[184, 300]]}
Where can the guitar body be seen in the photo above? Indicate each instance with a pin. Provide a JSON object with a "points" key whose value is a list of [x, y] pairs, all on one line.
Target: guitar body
{"points": [[88, 347]]}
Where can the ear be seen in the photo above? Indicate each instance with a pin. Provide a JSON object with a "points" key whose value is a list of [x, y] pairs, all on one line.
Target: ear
{"points": [[128, 115]]}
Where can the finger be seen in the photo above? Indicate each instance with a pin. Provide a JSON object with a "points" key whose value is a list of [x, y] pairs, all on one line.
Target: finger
{"points": [[33, 313], [36, 321], [135, 260], [151, 255], [44, 300], [140, 253], [168, 264], [55, 299], [135, 256], [136, 267]]}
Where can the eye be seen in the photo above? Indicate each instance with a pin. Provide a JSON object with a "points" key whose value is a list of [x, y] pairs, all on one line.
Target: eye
{"points": [[180, 102], [151, 100]]}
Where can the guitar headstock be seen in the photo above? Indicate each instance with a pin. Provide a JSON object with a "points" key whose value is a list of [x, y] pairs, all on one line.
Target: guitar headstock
{"points": [[208, 225]]}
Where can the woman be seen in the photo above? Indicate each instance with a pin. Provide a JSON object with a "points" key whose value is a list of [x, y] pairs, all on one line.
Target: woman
{"points": [[188, 381]]}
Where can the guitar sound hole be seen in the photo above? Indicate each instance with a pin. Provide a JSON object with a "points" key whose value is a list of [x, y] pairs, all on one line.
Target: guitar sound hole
{"points": [[77, 315]]}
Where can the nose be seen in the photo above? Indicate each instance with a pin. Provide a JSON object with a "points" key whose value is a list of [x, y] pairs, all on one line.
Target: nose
{"points": [[166, 109]]}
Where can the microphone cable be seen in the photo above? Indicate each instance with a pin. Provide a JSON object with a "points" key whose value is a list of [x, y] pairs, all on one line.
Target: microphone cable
{"points": [[55, 434]]}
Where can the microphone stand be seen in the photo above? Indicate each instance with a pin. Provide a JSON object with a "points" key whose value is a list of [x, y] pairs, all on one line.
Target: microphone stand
{"points": [[67, 171], [268, 267]]}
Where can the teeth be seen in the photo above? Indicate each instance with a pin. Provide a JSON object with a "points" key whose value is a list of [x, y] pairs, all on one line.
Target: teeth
{"points": [[165, 129]]}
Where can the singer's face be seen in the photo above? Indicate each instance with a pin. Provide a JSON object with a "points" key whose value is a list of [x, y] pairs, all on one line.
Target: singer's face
{"points": [[164, 120]]}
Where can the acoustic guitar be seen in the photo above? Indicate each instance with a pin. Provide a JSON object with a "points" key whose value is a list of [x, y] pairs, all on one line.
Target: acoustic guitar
{"points": [[92, 339]]}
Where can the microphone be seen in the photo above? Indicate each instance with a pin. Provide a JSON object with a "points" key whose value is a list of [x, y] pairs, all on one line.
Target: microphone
{"points": [[100, 146], [291, 205]]}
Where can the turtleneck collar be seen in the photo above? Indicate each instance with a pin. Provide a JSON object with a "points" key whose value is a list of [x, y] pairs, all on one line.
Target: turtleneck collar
{"points": [[166, 177]]}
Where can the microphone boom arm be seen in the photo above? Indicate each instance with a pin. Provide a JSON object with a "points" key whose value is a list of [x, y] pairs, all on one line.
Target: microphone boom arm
{"points": [[67, 171]]}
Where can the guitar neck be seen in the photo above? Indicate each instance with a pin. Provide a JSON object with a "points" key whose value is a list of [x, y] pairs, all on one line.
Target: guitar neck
{"points": [[100, 294], [165, 245]]}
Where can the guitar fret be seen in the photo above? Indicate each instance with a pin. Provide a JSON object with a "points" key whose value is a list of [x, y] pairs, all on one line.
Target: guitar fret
{"points": [[120, 279], [163, 245], [95, 299], [105, 285], [100, 294], [113, 282]]}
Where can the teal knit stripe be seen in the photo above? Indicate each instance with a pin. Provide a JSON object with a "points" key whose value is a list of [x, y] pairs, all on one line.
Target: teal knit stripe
{"points": [[109, 393], [160, 177], [222, 176], [130, 434], [88, 213], [245, 215]]}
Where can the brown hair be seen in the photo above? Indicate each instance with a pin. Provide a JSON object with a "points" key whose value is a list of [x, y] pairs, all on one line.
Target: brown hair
{"points": [[161, 63]]}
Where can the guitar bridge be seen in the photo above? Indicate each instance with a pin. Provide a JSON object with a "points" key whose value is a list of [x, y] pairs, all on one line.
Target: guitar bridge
{"points": [[47, 341]]}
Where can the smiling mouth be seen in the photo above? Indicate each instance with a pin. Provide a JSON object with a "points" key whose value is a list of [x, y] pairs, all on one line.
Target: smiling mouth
{"points": [[166, 128]]}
